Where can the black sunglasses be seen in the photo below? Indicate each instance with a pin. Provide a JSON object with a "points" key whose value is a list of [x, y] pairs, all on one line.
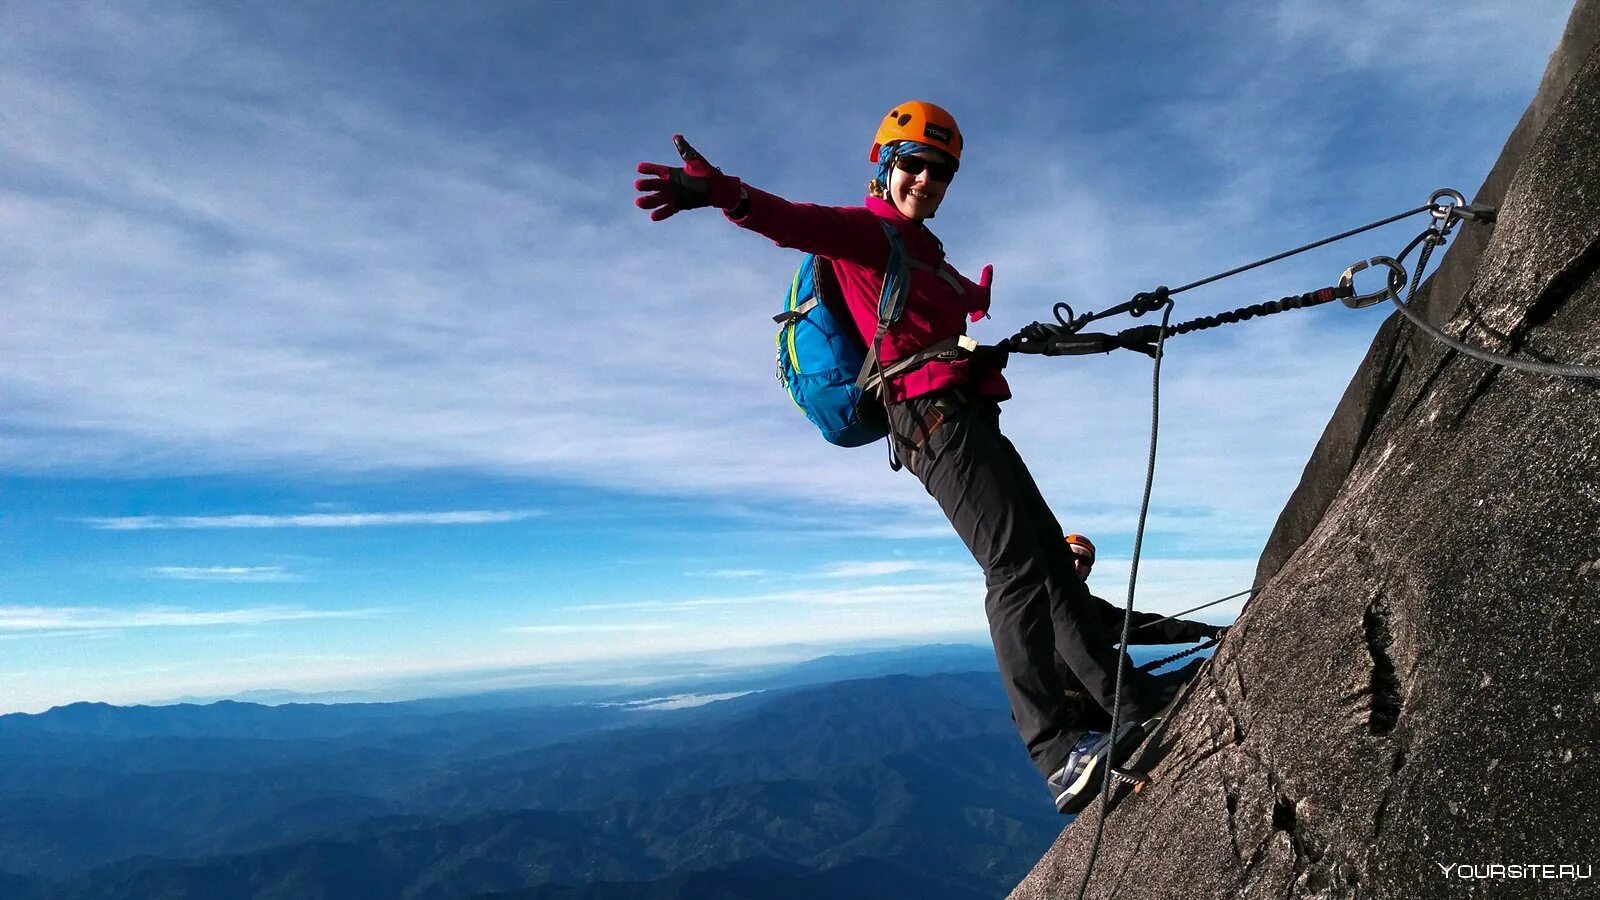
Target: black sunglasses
{"points": [[937, 171]]}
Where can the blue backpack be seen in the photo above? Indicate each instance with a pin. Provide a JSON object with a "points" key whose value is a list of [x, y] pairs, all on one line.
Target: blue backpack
{"points": [[829, 373]]}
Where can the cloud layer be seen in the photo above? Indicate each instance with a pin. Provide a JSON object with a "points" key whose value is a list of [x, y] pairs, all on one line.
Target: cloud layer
{"points": [[87, 618], [288, 269], [311, 520]]}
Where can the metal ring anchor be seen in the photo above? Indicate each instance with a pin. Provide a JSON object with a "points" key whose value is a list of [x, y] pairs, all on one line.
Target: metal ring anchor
{"points": [[1445, 211], [1397, 281]]}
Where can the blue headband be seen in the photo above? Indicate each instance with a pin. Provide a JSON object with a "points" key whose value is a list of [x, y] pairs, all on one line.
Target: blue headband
{"points": [[895, 149]]}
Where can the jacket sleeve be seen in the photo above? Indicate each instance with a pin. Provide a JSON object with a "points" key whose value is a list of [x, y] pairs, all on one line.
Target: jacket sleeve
{"points": [[977, 298], [836, 232], [1172, 631]]}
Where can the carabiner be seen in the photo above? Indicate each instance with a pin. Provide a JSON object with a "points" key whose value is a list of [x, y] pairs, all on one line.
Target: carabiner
{"points": [[1397, 280], [1446, 215]]}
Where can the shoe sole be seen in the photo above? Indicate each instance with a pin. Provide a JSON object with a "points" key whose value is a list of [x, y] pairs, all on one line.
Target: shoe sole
{"points": [[1079, 794]]}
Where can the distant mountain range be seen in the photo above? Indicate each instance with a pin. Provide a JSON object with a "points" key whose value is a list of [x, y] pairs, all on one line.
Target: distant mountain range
{"points": [[843, 777]]}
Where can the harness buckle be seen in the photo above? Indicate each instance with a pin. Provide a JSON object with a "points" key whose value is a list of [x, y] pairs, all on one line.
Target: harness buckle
{"points": [[1397, 281]]}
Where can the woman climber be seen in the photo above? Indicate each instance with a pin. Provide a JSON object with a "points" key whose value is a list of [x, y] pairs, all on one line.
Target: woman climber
{"points": [[944, 420]]}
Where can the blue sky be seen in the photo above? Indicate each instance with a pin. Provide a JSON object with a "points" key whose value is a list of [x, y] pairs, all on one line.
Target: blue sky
{"points": [[336, 357]]}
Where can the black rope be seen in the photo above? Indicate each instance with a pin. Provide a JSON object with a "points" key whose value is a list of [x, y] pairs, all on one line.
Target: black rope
{"points": [[1147, 333], [1127, 612], [1311, 246], [1198, 608], [1207, 644], [1430, 239], [1028, 339]]}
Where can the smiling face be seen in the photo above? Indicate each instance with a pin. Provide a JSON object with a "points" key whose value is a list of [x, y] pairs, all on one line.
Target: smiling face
{"points": [[916, 196]]}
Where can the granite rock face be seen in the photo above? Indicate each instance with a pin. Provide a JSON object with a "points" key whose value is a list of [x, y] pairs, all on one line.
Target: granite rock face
{"points": [[1416, 684]]}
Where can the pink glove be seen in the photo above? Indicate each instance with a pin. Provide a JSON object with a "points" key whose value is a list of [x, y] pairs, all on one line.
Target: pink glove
{"points": [[980, 306], [696, 184]]}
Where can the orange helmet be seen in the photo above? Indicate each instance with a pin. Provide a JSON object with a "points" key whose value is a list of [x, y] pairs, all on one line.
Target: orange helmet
{"points": [[922, 122], [1078, 540]]}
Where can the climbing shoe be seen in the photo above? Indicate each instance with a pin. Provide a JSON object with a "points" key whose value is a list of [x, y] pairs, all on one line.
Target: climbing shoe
{"points": [[1079, 778]]}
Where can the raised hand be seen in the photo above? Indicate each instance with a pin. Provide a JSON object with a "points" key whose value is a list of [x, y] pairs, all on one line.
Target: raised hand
{"points": [[693, 185]]}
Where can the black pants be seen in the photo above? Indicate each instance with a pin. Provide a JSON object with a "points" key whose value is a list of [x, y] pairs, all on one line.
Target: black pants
{"points": [[1091, 716], [1036, 604]]}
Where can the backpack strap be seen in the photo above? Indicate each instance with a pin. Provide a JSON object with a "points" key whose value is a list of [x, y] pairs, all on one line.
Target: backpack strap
{"points": [[896, 279], [799, 312], [891, 305]]}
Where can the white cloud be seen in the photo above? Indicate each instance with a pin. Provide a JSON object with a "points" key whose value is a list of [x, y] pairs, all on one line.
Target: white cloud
{"points": [[957, 590], [72, 633], [1166, 585], [873, 569], [885, 567], [1169, 585], [1428, 51], [683, 701], [55, 619], [595, 628], [312, 520], [224, 573]]}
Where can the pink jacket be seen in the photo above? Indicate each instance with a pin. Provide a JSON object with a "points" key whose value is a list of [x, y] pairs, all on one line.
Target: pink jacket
{"points": [[852, 239]]}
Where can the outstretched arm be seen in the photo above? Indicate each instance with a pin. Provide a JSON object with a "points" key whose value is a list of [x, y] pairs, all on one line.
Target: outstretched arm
{"points": [[848, 233]]}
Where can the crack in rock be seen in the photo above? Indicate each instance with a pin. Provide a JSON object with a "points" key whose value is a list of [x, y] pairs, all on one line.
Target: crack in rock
{"points": [[1385, 686], [1230, 800], [1395, 765], [1561, 287]]}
